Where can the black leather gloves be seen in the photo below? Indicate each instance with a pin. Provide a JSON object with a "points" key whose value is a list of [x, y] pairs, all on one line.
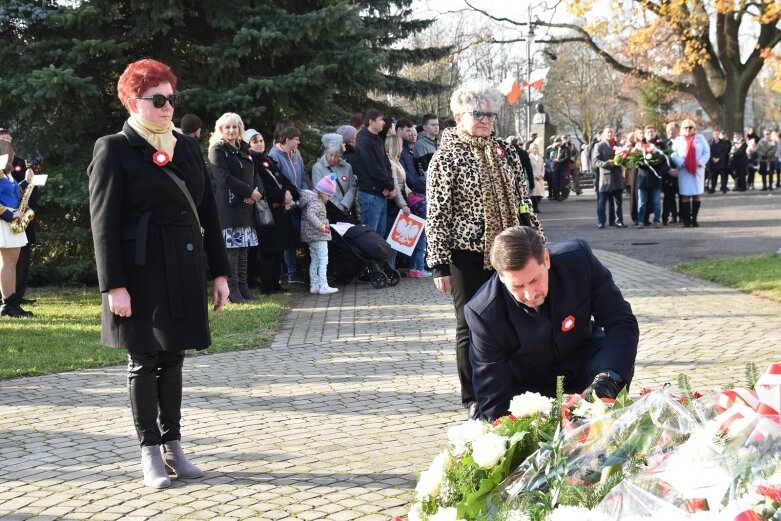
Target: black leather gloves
{"points": [[604, 386]]}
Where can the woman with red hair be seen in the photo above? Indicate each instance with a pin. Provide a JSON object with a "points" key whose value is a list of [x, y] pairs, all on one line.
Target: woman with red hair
{"points": [[155, 226]]}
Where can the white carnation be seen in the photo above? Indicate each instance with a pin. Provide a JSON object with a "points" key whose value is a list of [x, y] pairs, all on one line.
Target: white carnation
{"points": [[415, 512], [527, 404], [445, 514], [461, 435], [488, 449], [430, 481]]}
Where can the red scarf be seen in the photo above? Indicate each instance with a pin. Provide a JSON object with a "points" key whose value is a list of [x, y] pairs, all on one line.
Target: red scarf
{"points": [[690, 162]]}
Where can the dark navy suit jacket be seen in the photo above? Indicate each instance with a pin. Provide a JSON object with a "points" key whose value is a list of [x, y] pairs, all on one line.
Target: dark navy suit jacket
{"points": [[515, 349]]}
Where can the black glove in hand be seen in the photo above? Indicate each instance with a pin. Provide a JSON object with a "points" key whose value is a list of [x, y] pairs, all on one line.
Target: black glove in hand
{"points": [[603, 386]]}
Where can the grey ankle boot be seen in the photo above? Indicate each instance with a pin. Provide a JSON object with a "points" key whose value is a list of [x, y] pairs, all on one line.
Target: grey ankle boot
{"points": [[152, 464], [177, 463]]}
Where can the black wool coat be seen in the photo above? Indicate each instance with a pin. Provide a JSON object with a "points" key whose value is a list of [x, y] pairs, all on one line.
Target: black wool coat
{"points": [[514, 349], [280, 236], [148, 240], [234, 175]]}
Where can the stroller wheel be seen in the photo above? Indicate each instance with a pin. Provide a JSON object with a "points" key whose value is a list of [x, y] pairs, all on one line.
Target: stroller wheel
{"points": [[379, 280], [393, 276]]}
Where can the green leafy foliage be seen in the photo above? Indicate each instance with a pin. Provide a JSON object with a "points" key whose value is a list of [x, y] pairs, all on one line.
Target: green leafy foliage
{"points": [[313, 61]]}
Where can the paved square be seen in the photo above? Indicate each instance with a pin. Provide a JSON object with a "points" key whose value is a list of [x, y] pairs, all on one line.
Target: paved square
{"points": [[334, 419]]}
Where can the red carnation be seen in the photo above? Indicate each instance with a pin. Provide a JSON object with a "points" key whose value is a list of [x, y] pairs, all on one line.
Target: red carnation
{"points": [[770, 492], [499, 151]]}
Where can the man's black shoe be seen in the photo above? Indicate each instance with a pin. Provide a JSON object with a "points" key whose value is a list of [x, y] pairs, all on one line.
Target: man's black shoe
{"points": [[28, 301], [601, 226]]}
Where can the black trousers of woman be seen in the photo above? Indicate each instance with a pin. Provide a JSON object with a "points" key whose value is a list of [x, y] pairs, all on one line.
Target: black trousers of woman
{"points": [[154, 382], [466, 276], [270, 271]]}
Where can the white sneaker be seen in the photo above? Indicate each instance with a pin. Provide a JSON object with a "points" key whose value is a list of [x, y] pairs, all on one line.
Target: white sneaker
{"points": [[327, 290], [314, 290]]}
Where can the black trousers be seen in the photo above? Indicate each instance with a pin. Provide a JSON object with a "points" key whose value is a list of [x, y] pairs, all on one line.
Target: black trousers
{"points": [[670, 201], [466, 276], [154, 382], [270, 271], [23, 270]]}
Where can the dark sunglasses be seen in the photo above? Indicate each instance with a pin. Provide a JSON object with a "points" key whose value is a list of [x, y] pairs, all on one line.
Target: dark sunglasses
{"points": [[687, 128], [479, 114], [158, 100]]}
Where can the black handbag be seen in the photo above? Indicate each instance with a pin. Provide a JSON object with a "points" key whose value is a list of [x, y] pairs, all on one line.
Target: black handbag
{"points": [[263, 215]]}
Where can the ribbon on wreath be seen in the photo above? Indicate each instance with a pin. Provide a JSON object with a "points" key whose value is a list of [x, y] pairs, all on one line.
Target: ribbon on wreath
{"points": [[765, 399], [742, 408]]}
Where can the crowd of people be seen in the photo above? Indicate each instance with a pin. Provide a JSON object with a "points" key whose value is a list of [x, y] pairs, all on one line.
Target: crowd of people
{"points": [[165, 219]]}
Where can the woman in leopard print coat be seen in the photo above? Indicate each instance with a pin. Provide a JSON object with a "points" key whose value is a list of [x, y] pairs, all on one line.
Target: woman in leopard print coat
{"points": [[474, 190]]}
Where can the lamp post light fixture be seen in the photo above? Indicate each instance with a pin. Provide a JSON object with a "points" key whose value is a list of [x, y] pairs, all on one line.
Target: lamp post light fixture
{"points": [[529, 41]]}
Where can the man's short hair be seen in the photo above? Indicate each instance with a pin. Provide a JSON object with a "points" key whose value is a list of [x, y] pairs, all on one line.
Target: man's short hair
{"points": [[356, 119], [4, 131], [515, 247], [404, 123], [190, 123], [650, 127], [288, 133], [428, 117], [371, 115]]}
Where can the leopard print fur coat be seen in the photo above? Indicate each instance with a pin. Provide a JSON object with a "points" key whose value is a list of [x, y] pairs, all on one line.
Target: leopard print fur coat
{"points": [[472, 196]]}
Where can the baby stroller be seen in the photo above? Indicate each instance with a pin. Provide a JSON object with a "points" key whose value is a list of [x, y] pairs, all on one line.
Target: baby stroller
{"points": [[360, 252]]}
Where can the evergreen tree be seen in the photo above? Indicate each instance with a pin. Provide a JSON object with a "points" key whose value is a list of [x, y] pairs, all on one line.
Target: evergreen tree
{"points": [[312, 61]]}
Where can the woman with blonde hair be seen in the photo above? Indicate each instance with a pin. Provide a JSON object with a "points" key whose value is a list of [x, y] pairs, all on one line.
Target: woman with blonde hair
{"points": [[393, 146], [237, 193], [690, 153]]}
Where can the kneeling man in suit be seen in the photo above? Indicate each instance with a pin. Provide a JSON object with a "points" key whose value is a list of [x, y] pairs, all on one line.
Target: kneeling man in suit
{"points": [[547, 311]]}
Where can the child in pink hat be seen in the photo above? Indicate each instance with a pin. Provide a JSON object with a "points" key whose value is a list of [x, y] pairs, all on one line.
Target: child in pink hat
{"points": [[316, 231]]}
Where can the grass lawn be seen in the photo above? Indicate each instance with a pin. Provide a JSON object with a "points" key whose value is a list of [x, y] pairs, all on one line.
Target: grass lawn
{"points": [[64, 334], [760, 275]]}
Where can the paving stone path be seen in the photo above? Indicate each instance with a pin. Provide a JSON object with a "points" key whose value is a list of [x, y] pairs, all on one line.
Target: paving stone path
{"points": [[333, 420]]}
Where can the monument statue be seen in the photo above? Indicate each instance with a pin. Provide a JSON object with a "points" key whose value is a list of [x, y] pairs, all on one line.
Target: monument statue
{"points": [[541, 117]]}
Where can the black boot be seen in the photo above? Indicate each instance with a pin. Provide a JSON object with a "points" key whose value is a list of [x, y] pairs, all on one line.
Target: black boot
{"points": [[10, 308], [243, 284], [233, 281], [684, 213], [695, 211]]}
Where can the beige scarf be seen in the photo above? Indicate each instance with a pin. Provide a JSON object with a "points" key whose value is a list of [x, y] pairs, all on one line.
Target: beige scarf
{"points": [[500, 203], [161, 137]]}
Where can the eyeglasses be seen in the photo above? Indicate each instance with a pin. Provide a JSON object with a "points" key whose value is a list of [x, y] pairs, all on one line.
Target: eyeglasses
{"points": [[479, 114], [158, 100], [686, 128]]}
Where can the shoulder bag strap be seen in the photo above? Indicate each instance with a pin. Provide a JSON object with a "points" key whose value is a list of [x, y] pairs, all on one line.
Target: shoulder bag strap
{"points": [[341, 189], [181, 186]]}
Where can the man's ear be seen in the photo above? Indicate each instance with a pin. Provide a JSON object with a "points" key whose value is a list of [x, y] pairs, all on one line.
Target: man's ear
{"points": [[132, 105], [547, 259]]}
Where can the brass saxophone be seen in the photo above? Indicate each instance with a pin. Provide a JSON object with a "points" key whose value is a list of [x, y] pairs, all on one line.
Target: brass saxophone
{"points": [[20, 224]]}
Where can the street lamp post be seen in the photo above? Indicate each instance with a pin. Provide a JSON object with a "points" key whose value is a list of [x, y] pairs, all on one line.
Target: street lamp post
{"points": [[529, 41]]}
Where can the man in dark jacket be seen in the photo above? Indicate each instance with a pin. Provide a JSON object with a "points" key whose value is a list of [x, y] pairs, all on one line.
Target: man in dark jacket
{"points": [[375, 180], [649, 181], [532, 321], [738, 162], [717, 164]]}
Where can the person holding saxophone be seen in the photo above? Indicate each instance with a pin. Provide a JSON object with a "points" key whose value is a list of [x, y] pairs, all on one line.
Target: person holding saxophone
{"points": [[12, 239]]}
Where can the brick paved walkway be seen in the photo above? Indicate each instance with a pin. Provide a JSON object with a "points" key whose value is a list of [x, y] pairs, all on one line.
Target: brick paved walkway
{"points": [[353, 397]]}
